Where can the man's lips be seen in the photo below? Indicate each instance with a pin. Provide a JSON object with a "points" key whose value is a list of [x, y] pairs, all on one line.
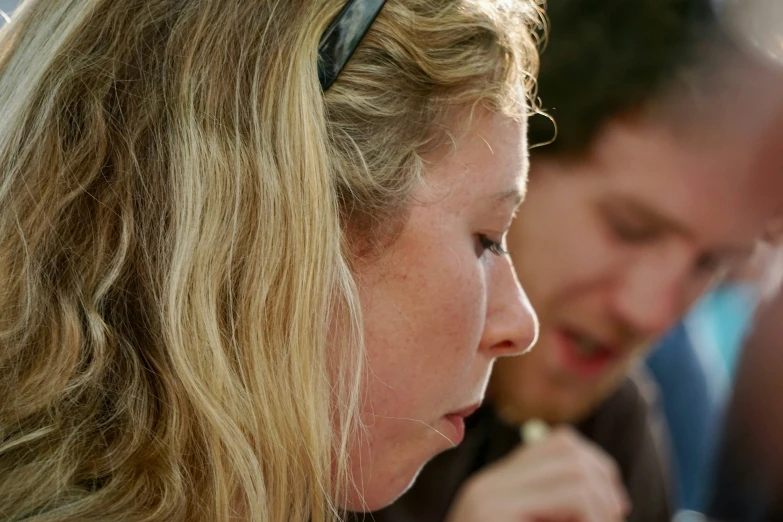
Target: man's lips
{"points": [[584, 355], [606, 343]]}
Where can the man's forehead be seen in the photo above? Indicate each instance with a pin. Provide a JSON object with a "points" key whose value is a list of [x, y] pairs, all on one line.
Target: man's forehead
{"points": [[730, 173]]}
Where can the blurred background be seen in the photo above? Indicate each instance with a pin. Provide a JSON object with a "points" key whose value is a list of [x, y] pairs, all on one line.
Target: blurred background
{"points": [[7, 5]]}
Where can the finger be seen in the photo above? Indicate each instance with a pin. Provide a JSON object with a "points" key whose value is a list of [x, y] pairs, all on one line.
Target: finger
{"points": [[564, 460], [609, 469], [562, 503], [590, 466], [593, 457]]}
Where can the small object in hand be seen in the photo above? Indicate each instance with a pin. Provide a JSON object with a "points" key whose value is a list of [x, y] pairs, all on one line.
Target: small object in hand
{"points": [[534, 431]]}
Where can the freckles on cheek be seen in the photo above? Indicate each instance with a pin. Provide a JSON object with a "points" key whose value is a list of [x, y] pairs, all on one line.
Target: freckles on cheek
{"points": [[464, 306], [424, 317]]}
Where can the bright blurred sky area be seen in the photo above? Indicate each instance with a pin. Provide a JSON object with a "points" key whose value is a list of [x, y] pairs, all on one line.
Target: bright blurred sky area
{"points": [[8, 6]]}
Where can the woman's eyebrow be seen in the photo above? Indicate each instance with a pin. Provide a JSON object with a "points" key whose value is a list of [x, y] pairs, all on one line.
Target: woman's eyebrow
{"points": [[515, 194]]}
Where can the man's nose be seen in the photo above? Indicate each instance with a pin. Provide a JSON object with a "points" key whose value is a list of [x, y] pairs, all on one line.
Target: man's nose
{"points": [[651, 295]]}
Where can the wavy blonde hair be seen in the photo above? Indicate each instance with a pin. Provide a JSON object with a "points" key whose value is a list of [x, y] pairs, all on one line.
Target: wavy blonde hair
{"points": [[175, 199]]}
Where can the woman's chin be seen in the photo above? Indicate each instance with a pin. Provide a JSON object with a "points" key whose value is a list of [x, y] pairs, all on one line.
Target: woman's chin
{"points": [[379, 492]]}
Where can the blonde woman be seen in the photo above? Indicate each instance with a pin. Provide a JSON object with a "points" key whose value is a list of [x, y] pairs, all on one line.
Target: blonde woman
{"points": [[251, 253]]}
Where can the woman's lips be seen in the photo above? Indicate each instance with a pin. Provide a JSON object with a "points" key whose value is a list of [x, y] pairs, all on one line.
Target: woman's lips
{"points": [[458, 423], [457, 420]]}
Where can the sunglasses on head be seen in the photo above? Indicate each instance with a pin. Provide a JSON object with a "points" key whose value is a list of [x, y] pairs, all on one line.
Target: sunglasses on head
{"points": [[343, 36]]}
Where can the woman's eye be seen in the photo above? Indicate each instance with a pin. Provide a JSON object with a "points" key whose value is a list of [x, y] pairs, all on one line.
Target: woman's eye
{"points": [[484, 243]]}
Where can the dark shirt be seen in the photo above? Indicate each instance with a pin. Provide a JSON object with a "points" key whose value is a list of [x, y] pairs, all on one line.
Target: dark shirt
{"points": [[624, 425]]}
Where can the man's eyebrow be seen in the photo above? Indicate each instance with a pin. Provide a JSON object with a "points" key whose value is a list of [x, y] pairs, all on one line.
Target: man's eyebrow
{"points": [[653, 218], [666, 223]]}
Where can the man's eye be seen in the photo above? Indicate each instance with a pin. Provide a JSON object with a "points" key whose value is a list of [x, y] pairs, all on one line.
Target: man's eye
{"points": [[714, 265], [484, 243], [708, 262], [631, 233]]}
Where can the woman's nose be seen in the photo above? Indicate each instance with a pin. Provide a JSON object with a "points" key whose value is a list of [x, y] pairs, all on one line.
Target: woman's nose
{"points": [[511, 325]]}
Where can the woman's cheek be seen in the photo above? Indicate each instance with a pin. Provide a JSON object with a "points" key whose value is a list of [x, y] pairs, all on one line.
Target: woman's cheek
{"points": [[470, 302]]}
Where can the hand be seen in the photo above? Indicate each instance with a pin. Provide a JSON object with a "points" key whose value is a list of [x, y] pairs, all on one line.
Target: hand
{"points": [[564, 478]]}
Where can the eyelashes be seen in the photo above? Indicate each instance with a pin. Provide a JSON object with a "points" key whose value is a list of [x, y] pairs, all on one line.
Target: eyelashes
{"points": [[487, 244]]}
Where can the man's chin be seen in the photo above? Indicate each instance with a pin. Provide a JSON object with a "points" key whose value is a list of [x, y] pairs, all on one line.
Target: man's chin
{"points": [[579, 406], [573, 415], [566, 406]]}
